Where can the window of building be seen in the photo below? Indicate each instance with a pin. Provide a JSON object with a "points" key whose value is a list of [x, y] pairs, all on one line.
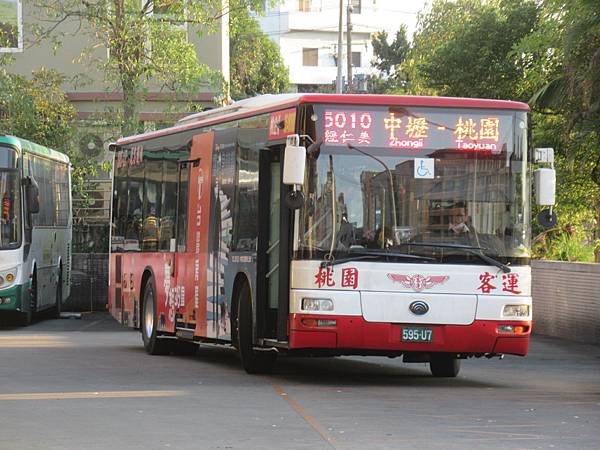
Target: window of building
{"points": [[356, 6], [310, 56], [356, 59], [304, 5], [11, 29]]}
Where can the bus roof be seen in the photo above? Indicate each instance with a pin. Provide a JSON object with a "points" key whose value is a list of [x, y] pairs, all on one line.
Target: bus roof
{"points": [[274, 102], [28, 146]]}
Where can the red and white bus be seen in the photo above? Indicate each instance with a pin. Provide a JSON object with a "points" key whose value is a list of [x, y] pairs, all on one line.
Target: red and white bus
{"points": [[324, 224]]}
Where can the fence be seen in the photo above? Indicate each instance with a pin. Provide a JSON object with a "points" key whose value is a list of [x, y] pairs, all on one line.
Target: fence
{"points": [[89, 282], [566, 300]]}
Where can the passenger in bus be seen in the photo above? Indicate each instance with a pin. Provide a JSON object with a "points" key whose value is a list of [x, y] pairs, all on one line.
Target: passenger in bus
{"points": [[150, 231], [8, 231]]}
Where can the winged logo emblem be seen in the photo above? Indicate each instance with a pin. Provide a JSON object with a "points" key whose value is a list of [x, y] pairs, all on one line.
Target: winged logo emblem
{"points": [[418, 282]]}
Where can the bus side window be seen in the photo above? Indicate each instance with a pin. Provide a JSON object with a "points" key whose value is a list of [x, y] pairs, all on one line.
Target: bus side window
{"points": [[245, 229], [43, 172], [134, 208], [169, 205], [152, 213]]}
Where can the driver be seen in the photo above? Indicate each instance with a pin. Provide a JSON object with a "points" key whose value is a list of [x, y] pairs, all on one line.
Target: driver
{"points": [[459, 220]]}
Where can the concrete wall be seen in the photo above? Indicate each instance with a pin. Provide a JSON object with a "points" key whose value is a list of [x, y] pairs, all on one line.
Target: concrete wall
{"points": [[566, 300]]}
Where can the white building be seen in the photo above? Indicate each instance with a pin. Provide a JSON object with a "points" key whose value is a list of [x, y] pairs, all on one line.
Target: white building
{"points": [[307, 34]]}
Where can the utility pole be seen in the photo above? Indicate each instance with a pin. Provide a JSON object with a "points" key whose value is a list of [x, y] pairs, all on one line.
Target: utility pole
{"points": [[338, 87], [349, 45]]}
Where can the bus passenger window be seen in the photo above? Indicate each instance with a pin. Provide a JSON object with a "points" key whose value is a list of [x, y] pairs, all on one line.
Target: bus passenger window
{"points": [[169, 205], [182, 206]]}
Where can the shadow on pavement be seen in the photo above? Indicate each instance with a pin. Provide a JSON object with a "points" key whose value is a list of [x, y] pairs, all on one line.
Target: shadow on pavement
{"points": [[46, 322]]}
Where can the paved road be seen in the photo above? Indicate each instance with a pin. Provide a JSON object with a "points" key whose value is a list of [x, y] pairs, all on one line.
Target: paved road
{"points": [[88, 384]]}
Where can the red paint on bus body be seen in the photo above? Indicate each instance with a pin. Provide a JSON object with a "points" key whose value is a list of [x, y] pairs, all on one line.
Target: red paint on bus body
{"points": [[354, 333]]}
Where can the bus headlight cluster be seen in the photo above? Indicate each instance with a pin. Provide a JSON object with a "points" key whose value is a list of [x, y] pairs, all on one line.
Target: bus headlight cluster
{"points": [[317, 304], [515, 311], [7, 277]]}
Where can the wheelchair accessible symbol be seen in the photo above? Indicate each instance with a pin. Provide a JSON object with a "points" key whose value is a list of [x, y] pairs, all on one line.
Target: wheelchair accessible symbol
{"points": [[424, 167]]}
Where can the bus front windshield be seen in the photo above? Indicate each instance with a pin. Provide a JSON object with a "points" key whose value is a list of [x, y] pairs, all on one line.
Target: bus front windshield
{"points": [[10, 200], [430, 196]]}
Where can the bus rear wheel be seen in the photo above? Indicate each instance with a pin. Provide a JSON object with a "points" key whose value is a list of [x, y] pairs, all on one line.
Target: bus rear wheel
{"points": [[444, 365], [252, 361], [153, 344]]}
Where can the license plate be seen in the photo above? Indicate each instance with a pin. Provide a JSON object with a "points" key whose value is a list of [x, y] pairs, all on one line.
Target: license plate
{"points": [[417, 334]]}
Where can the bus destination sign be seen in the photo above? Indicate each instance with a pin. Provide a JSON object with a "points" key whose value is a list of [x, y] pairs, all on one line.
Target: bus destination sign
{"points": [[415, 130]]}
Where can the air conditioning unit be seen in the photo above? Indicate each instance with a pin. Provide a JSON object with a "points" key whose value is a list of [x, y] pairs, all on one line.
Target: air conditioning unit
{"points": [[91, 145]]}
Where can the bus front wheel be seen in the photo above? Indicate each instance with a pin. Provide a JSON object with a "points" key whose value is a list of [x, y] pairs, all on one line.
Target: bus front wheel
{"points": [[27, 316], [444, 365], [252, 361], [58, 307], [153, 344]]}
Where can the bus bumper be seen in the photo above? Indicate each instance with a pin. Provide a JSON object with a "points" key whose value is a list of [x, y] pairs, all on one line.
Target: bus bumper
{"points": [[10, 299], [353, 335]]}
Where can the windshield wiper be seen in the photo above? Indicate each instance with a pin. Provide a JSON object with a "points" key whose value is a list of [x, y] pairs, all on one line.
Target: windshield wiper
{"points": [[365, 253], [477, 251]]}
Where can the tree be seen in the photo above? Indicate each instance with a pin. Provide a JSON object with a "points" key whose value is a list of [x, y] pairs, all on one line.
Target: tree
{"points": [[146, 40], [566, 46], [465, 48], [255, 60], [38, 110], [388, 60]]}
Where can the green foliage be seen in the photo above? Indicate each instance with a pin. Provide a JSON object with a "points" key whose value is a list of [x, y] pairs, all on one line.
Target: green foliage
{"points": [[567, 76], [36, 109], [255, 61], [570, 240], [388, 60], [465, 48]]}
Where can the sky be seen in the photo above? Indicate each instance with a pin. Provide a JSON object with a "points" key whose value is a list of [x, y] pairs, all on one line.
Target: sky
{"points": [[404, 10]]}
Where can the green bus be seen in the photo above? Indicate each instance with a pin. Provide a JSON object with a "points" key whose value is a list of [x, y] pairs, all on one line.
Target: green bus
{"points": [[35, 228]]}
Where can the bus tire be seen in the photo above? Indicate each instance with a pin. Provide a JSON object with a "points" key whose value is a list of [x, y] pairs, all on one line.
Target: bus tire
{"points": [[153, 344], [27, 316], [444, 365], [252, 361], [58, 306]]}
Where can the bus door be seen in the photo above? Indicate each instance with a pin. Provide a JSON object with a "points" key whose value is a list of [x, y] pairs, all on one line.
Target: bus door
{"points": [[192, 234], [273, 249]]}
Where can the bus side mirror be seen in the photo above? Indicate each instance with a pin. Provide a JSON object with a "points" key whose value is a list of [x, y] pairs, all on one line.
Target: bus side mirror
{"points": [[294, 168], [545, 186], [32, 195], [294, 165]]}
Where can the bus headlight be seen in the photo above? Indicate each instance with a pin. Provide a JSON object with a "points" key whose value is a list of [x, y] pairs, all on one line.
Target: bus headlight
{"points": [[515, 311], [7, 277], [317, 304]]}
